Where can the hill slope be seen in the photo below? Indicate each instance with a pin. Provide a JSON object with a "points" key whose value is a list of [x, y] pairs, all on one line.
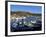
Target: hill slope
{"points": [[23, 13]]}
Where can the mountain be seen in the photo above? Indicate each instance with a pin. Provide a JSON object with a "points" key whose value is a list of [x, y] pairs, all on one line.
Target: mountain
{"points": [[23, 13]]}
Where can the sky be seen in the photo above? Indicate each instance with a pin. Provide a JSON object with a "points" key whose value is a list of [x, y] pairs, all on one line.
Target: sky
{"points": [[32, 9]]}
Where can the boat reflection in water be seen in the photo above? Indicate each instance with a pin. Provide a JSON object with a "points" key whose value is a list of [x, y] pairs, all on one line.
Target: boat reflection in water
{"points": [[32, 23]]}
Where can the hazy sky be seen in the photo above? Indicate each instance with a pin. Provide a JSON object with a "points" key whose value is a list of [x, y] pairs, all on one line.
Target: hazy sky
{"points": [[33, 9]]}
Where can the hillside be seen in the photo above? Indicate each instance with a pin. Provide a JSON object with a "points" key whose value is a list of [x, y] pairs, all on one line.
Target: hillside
{"points": [[23, 13]]}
